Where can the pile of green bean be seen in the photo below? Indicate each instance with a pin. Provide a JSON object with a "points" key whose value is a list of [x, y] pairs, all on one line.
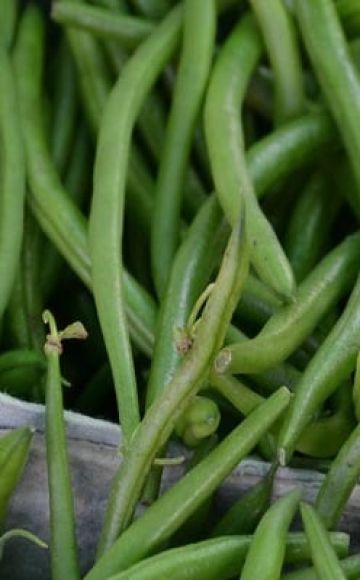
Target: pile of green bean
{"points": [[184, 178]]}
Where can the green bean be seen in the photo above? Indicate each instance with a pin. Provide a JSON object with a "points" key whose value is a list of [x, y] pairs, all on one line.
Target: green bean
{"points": [[267, 549], [170, 510], [9, 15], [65, 108], [339, 481], [329, 367], [338, 77], [55, 211], [191, 269], [12, 181], [14, 451], [310, 224], [195, 61], [291, 324], [152, 8], [281, 43], [325, 560], [245, 514], [128, 30], [350, 566], [187, 380], [226, 91], [105, 224], [64, 558]]}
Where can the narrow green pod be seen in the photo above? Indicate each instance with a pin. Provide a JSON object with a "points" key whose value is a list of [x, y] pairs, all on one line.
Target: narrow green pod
{"points": [[325, 560], [267, 550]]}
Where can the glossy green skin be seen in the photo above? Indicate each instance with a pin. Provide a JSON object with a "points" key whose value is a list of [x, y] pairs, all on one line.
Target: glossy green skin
{"points": [[233, 184], [282, 47], [199, 420], [188, 379], [12, 180], [106, 216], [198, 43], [335, 70], [329, 367], [324, 557], [128, 30], [14, 451], [190, 273], [9, 14], [310, 224], [174, 507], [267, 549], [20, 371], [61, 501], [245, 514], [340, 480], [291, 324]]}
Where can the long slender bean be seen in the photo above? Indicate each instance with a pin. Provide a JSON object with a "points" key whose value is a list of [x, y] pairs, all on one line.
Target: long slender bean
{"points": [[195, 60]]}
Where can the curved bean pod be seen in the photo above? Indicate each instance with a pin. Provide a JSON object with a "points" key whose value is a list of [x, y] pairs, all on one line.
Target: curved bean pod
{"points": [[291, 324], [224, 137]]}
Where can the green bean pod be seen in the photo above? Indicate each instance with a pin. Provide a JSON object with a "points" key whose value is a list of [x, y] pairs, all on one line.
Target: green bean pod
{"points": [[106, 216], [9, 14], [199, 420], [281, 43], [171, 509], [64, 557], [12, 180], [195, 61], [325, 560], [310, 224], [20, 371], [329, 367], [267, 549], [339, 481], [291, 324], [233, 183], [337, 74], [349, 12], [19, 533], [14, 452], [189, 275]]}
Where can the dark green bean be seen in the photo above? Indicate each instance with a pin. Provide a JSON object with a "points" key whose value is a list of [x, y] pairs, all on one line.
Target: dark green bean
{"points": [[280, 40], [199, 420], [335, 70], [325, 560], [64, 557], [291, 324], [65, 103], [170, 510], [245, 514], [14, 451], [9, 13], [233, 183], [309, 227], [329, 367], [20, 371], [19, 533], [349, 12], [195, 61], [128, 30]]}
